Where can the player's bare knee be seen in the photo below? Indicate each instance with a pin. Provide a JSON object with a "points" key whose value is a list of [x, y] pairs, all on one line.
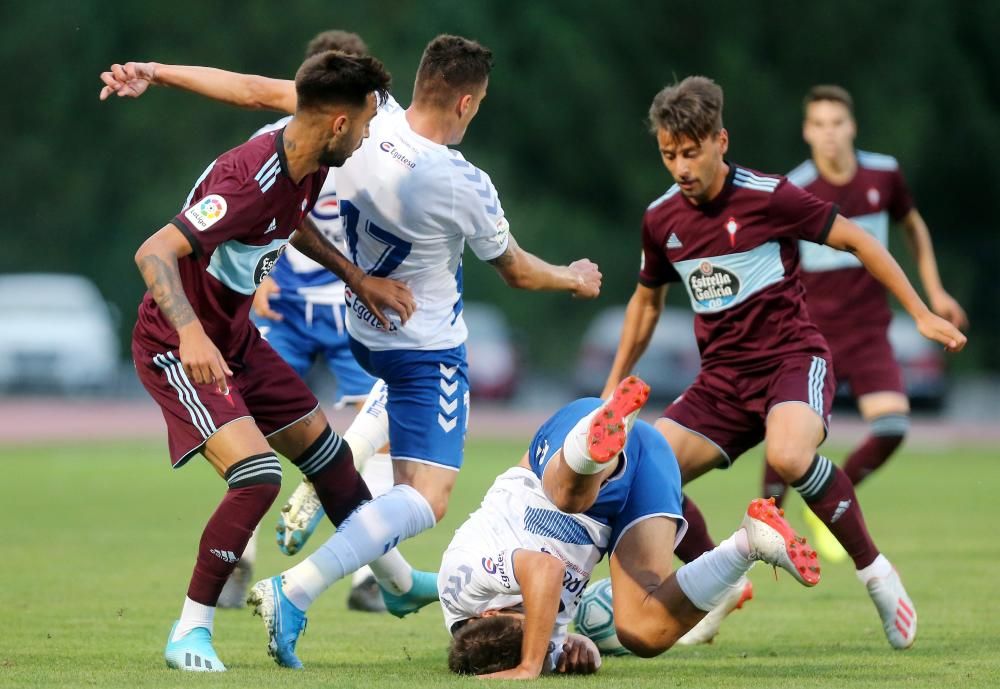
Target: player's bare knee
{"points": [[789, 460], [642, 640]]}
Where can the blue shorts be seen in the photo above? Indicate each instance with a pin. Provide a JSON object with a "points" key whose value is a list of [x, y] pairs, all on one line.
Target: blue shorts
{"points": [[427, 401], [309, 331], [647, 483]]}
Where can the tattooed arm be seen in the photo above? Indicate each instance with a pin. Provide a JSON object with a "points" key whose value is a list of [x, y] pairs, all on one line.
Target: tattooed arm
{"points": [[157, 262], [523, 270], [374, 292]]}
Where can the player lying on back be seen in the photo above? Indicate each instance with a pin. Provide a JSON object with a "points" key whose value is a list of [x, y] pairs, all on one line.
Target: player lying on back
{"points": [[592, 483]]}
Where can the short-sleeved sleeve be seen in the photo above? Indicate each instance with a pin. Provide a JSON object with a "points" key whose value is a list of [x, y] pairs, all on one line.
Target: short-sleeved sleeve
{"points": [[476, 578], [477, 210], [900, 201], [655, 489], [222, 208], [654, 268], [797, 214]]}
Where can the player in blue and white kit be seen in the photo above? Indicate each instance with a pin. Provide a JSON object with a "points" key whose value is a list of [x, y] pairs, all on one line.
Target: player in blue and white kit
{"points": [[591, 484], [410, 205], [299, 308]]}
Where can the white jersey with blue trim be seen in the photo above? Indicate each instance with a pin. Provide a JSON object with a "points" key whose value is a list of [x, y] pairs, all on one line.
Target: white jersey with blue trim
{"points": [[476, 572], [409, 206]]}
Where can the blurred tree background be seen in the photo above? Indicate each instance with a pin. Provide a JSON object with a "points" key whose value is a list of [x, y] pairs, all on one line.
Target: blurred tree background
{"points": [[562, 131]]}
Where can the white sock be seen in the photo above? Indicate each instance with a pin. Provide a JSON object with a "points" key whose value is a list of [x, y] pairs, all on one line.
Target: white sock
{"points": [[377, 474], [707, 580], [249, 557], [575, 452], [371, 531], [393, 572], [361, 575], [194, 615], [369, 432], [881, 567]]}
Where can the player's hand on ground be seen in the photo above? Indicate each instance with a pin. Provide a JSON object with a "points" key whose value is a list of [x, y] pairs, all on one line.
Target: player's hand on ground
{"points": [[262, 299], [944, 305], [129, 80], [933, 327], [588, 279], [202, 360], [579, 656], [382, 294]]}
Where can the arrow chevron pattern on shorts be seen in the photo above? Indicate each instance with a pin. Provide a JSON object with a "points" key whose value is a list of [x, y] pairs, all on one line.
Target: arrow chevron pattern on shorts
{"points": [[448, 401]]}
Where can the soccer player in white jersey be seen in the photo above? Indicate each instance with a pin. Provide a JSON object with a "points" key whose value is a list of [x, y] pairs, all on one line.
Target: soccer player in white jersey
{"points": [[591, 483], [299, 308], [410, 204]]}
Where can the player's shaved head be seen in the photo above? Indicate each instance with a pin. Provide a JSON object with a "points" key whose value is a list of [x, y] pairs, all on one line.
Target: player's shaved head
{"points": [[451, 67], [830, 92], [335, 39], [486, 644], [691, 109], [335, 78]]}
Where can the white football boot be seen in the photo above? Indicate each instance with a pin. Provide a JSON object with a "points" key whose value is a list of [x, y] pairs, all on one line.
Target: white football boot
{"points": [[708, 628], [772, 540], [899, 616]]}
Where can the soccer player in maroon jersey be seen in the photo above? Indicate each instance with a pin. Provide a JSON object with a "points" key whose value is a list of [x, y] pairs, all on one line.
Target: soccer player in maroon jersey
{"points": [[223, 390], [845, 302], [731, 234]]}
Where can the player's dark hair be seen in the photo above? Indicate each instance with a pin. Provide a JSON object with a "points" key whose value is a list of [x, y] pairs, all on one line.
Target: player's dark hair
{"points": [[335, 39], [692, 109], [486, 644], [335, 78], [838, 94], [451, 66]]}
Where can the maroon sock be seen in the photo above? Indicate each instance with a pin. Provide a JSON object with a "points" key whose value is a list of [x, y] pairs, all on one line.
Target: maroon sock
{"points": [[870, 455], [830, 495], [774, 486], [696, 541], [329, 464], [254, 483]]}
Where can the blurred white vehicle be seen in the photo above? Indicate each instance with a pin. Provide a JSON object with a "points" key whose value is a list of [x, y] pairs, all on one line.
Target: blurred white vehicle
{"points": [[669, 364], [493, 358], [56, 333]]}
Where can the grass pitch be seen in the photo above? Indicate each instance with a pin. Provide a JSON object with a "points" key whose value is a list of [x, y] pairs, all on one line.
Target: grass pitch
{"points": [[99, 542]]}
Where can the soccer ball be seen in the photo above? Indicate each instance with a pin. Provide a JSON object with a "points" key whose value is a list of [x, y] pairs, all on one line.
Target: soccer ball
{"points": [[595, 619]]}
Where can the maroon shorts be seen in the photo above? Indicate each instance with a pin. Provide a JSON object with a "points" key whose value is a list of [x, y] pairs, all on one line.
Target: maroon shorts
{"points": [[263, 388], [729, 406], [863, 358]]}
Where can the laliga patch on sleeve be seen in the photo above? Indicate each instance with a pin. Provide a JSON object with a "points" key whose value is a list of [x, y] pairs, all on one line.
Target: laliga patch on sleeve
{"points": [[206, 212], [503, 227]]}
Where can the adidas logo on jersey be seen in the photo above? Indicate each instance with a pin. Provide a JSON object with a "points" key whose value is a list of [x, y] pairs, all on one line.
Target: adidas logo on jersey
{"points": [[224, 555], [273, 226], [673, 242]]}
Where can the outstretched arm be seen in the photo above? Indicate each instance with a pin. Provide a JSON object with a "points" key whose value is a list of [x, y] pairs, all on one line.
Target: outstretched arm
{"points": [[376, 293], [918, 238], [847, 236], [157, 261], [641, 316], [540, 576], [523, 270], [243, 90]]}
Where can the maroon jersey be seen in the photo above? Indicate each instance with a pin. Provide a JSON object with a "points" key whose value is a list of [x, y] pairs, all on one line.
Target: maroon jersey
{"points": [[238, 219], [840, 292], [738, 258]]}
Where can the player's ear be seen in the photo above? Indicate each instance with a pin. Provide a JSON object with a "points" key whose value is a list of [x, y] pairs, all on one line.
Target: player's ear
{"points": [[490, 613], [339, 124], [464, 103], [723, 140]]}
